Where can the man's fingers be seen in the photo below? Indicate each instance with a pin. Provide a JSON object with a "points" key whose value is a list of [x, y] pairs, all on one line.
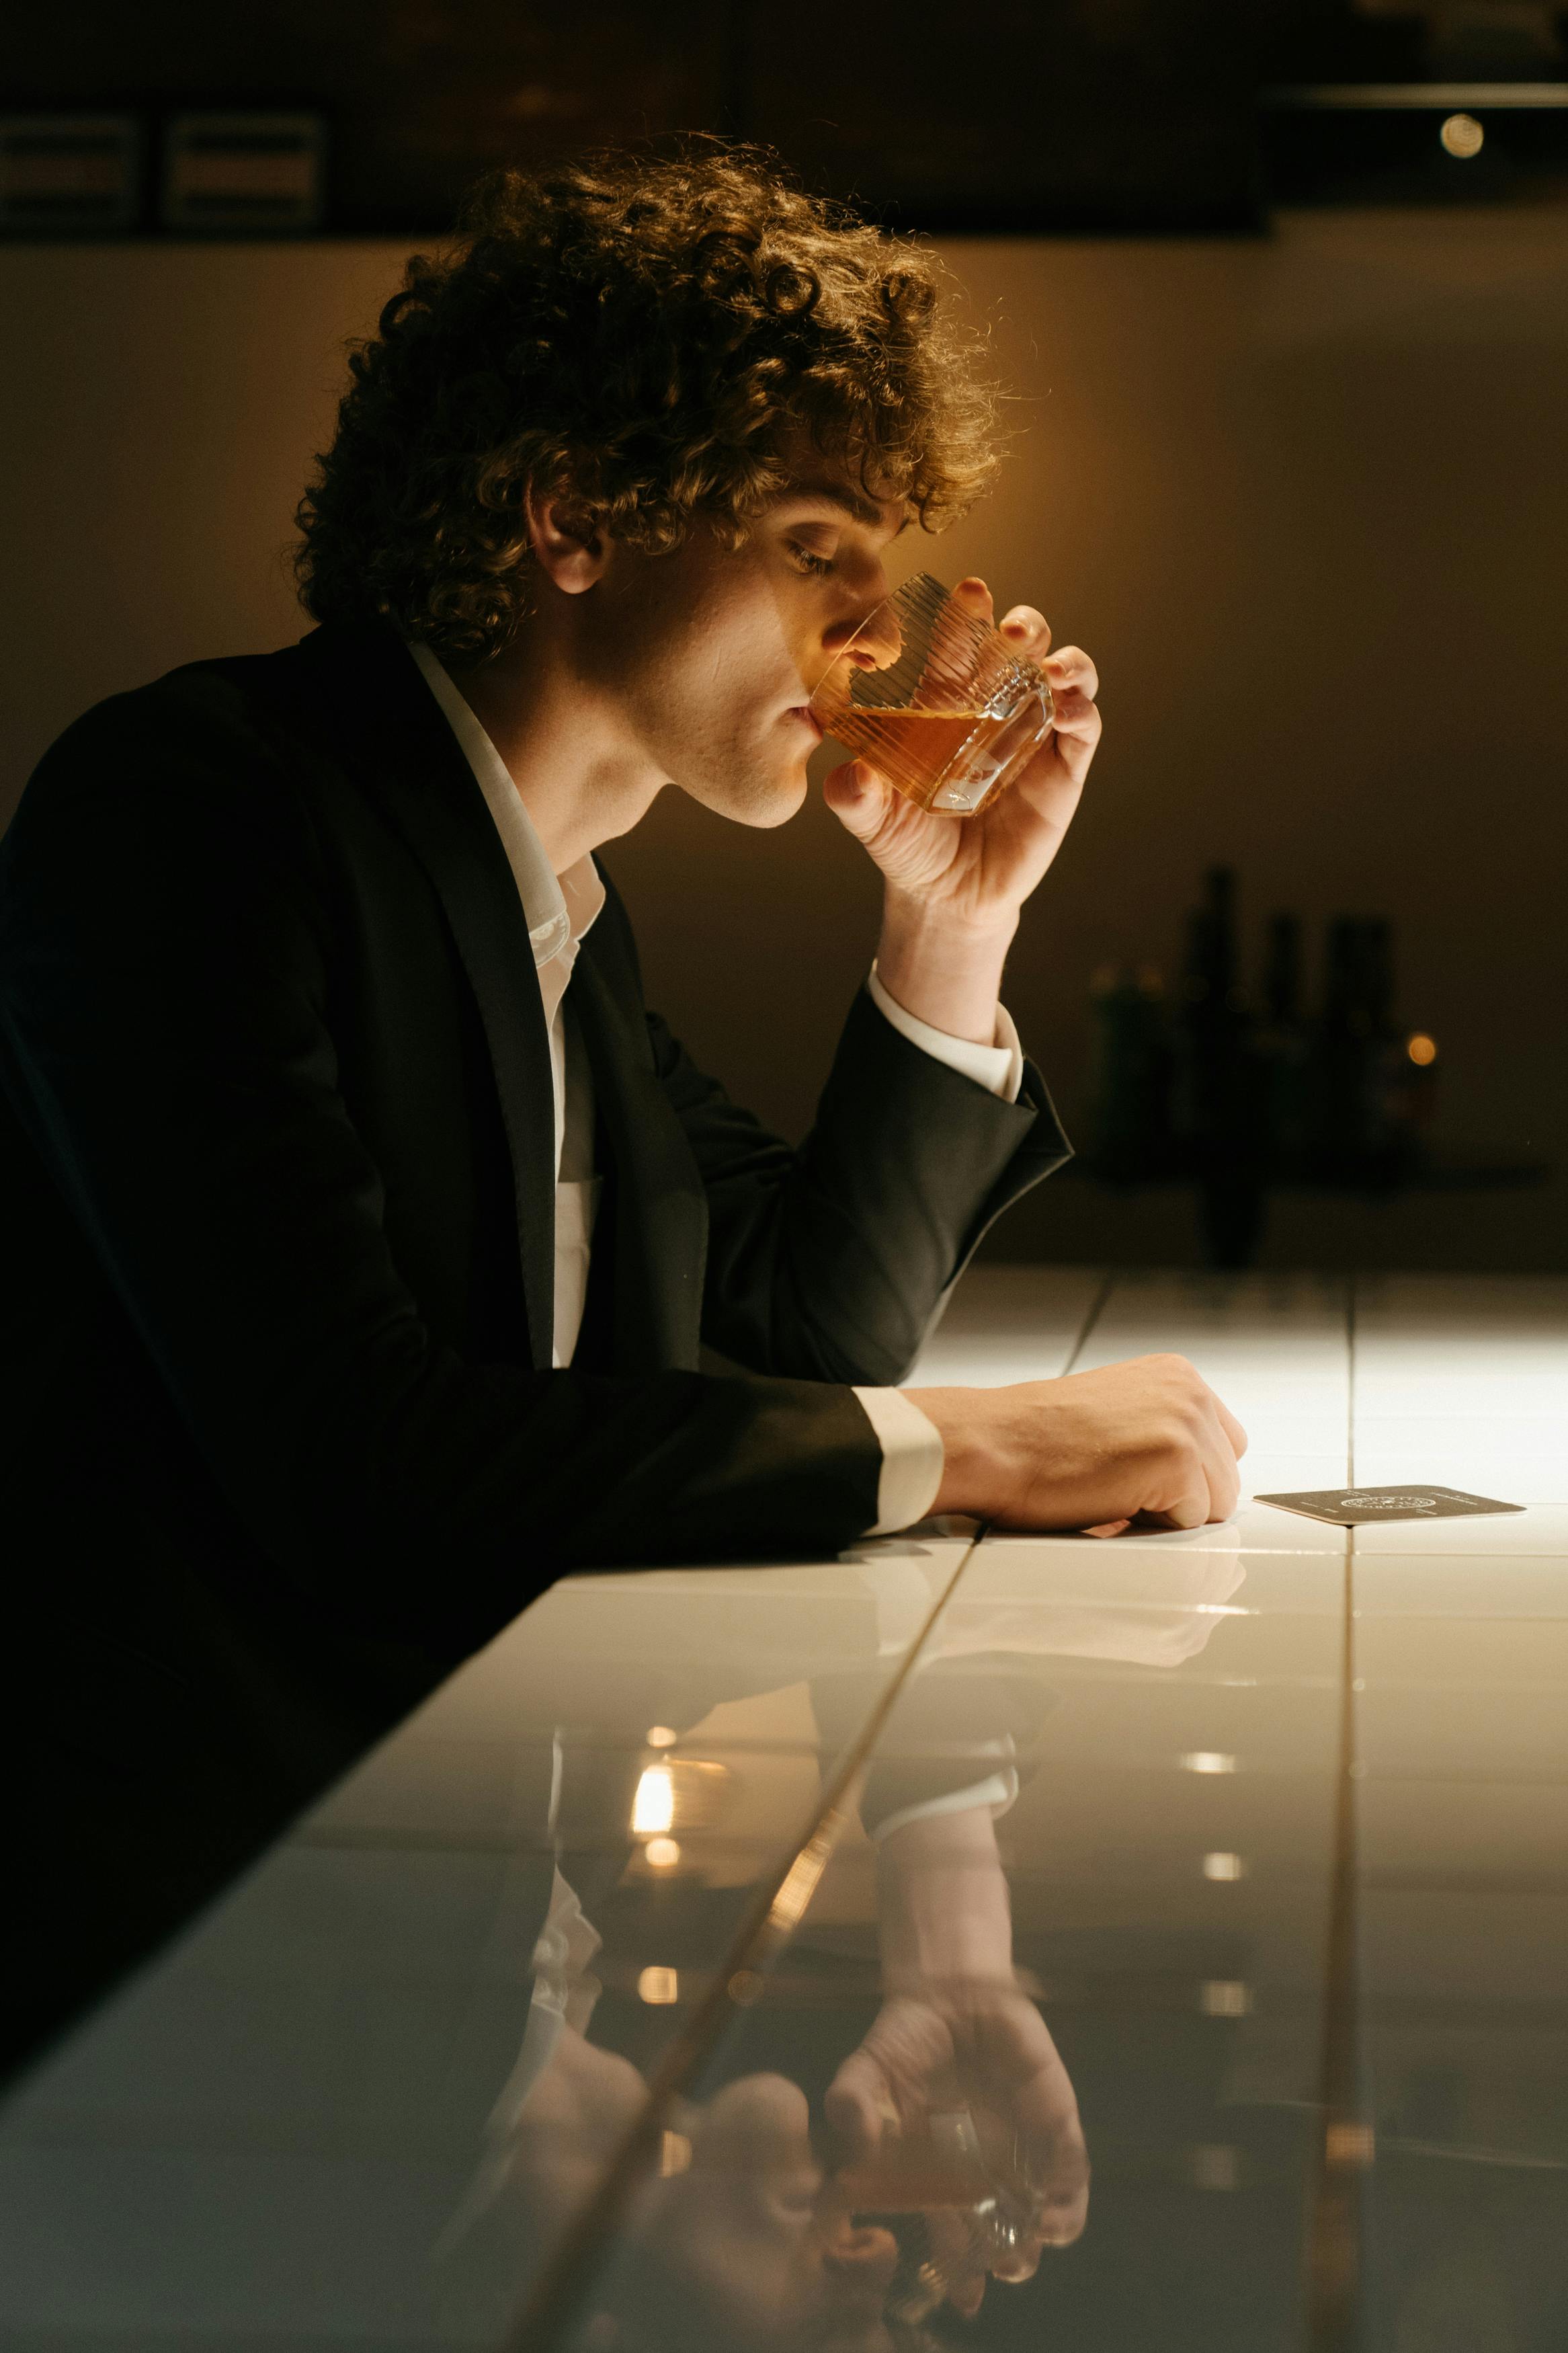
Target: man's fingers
{"points": [[1070, 672], [1223, 1481], [858, 796], [858, 2106], [973, 591], [1232, 1429], [1029, 628]]}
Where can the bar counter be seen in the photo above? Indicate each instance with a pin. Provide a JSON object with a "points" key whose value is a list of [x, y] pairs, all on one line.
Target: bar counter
{"points": [[979, 1939]]}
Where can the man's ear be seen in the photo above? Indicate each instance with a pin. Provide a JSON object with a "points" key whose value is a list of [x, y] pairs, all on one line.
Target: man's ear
{"points": [[568, 545]]}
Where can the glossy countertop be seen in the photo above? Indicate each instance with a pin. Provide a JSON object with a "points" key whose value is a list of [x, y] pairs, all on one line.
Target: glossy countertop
{"points": [[976, 1941]]}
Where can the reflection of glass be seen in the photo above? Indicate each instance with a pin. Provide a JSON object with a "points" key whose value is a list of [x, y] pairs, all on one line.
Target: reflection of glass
{"points": [[936, 700]]}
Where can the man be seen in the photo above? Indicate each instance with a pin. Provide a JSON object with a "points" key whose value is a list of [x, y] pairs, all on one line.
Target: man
{"points": [[364, 1227]]}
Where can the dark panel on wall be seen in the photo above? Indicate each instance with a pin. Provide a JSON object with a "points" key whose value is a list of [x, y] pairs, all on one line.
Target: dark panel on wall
{"points": [[420, 98], [1032, 114], [1070, 114]]}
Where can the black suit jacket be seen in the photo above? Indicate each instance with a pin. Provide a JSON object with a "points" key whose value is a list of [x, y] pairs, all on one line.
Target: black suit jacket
{"points": [[282, 1441]]}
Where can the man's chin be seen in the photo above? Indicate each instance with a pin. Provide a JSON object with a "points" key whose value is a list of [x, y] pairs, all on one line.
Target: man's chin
{"points": [[759, 801]]}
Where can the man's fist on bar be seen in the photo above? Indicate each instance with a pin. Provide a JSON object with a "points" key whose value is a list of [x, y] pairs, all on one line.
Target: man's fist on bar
{"points": [[1091, 1449]]}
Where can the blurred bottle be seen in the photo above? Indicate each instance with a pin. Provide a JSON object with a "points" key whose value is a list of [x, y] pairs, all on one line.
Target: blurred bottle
{"points": [[1284, 1048], [1218, 1102], [1364, 1130], [1131, 1086]]}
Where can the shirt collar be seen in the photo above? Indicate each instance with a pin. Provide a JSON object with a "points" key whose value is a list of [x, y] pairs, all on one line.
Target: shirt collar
{"points": [[558, 908]]}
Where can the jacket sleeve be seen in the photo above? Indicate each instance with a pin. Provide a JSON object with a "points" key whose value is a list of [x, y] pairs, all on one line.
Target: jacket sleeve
{"points": [[831, 1263], [165, 991]]}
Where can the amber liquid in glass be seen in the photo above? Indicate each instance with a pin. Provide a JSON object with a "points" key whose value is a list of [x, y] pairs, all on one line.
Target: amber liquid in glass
{"points": [[915, 749]]}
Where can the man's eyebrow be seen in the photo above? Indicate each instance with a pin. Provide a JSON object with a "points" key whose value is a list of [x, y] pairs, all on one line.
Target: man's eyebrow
{"points": [[837, 494]]}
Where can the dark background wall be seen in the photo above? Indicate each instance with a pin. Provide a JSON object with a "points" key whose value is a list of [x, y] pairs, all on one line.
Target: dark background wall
{"points": [[1305, 497], [1303, 491]]}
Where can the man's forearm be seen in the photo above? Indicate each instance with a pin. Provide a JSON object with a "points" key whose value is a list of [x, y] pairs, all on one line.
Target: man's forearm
{"points": [[941, 970]]}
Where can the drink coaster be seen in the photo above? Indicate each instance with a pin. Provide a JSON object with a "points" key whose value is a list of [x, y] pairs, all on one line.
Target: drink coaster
{"points": [[1351, 1507]]}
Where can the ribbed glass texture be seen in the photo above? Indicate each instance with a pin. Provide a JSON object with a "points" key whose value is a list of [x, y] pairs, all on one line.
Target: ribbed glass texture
{"points": [[936, 700]]}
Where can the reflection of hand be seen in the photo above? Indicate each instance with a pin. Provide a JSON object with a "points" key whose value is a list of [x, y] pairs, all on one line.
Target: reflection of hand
{"points": [[984, 2052], [957, 2039]]}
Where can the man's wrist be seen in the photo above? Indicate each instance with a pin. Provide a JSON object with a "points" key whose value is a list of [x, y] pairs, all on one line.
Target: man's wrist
{"points": [[942, 1902], [942, 968], [967, 1458]]}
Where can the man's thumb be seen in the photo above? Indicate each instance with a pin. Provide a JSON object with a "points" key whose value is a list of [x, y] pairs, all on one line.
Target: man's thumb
{"points": [[855, 793]]}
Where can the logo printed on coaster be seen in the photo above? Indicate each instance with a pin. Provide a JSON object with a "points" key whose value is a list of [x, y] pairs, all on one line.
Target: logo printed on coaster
{"points": [[1350, 1507]]}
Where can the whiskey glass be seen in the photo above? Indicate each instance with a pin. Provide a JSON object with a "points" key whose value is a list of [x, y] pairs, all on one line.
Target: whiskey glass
{"points": [[936, 700]]}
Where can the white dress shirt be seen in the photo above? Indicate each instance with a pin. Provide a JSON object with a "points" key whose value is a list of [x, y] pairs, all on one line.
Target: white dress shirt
{"points": [[560, 910]]}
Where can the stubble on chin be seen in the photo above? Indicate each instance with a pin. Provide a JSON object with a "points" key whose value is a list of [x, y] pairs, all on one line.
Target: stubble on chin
{"points": [[750, 795]]}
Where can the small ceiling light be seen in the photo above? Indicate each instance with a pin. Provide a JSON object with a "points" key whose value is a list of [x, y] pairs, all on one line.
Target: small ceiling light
{"points": [[1208, 1760], [1422, 1049], [1462, 136], [659, 1986], [662, 1854], [662, 1736], [1222, 1998], [1223, 1867]]}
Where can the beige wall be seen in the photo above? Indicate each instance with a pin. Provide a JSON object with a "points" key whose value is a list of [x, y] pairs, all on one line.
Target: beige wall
{"points": [[1305, 499]]}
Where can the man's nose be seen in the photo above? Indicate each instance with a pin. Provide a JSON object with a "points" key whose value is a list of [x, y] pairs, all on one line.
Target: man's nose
{"points": [[874, 643], [869, 2252]]}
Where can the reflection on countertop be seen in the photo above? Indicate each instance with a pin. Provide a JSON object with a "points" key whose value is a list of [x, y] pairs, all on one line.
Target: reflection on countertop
{"points": [[977, 1940]]}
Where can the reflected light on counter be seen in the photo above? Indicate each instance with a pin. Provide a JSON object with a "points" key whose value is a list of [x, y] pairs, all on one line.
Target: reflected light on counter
{"points": [[659, 1988], [799, 1886], [1422, 1049], [1223, 1867], [1463, 136], [653, 1808], [1350, 2145], [662, 1852], [1208, 1760]]}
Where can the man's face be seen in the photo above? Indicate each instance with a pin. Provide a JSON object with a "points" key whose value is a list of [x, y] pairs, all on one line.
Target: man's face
{"points": [[748, 2252], [710, 655]]}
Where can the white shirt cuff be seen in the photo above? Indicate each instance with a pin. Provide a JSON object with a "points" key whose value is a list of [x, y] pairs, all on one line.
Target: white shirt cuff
{"points": [[913, 1458], [998, 1068], [999, 1791]]}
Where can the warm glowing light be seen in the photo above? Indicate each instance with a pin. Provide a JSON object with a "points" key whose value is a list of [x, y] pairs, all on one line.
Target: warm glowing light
{"points": [[1422, 1049], [1462, 135], [799, 1886], [662, 1852], [745, 1986], [1350, 2145], [674, 2153], [662, 1736], [1224, 1998], [653, 1808], [658, 1988], [1223, 1867], [1208, 1760]]}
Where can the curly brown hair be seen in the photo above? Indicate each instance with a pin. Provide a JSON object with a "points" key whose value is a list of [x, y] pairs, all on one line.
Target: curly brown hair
{"points": [[647, 333]]}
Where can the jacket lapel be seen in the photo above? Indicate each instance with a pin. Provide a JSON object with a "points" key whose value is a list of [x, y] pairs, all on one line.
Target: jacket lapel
{"points": [[390, 731], [661, 1210]]}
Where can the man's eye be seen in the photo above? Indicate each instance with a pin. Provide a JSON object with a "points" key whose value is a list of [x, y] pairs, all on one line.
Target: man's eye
{"points": [[818, 566]]}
